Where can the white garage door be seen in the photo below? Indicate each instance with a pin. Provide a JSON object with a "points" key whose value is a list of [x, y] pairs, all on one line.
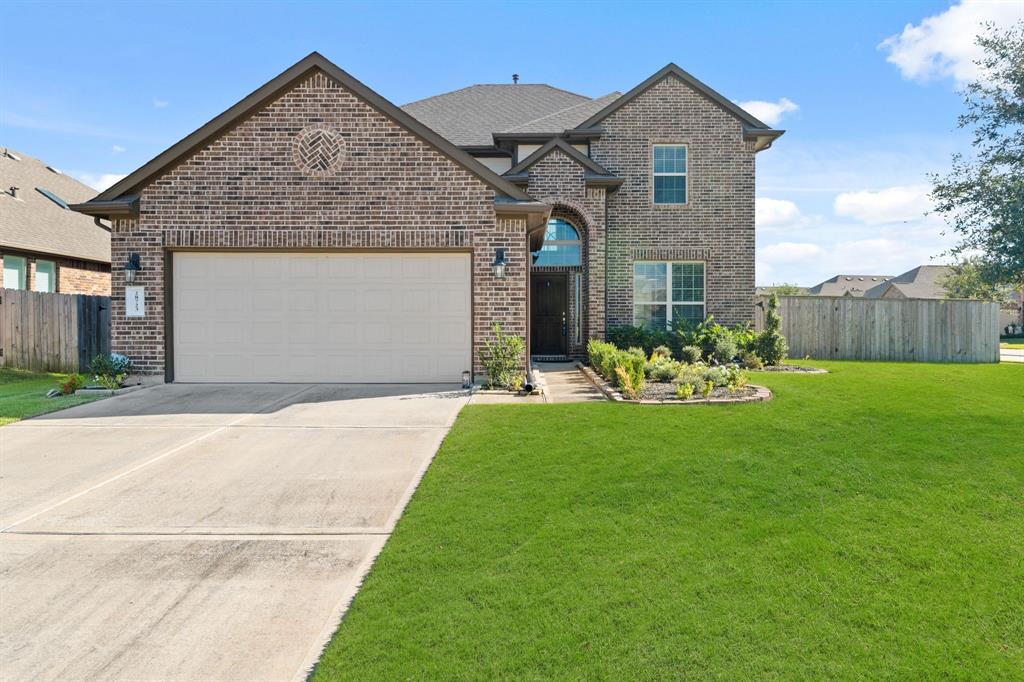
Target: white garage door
{"points": [[331, 317]]}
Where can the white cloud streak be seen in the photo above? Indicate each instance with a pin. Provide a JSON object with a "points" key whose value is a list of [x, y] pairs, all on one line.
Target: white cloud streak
{"points": [[943, 45], [890, 205], [100, 181], [770, 112]]}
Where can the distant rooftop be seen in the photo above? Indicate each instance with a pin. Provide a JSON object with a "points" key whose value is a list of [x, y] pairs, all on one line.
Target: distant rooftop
{"points": [[470, 116], [38, 218], [920, 282], [847, 285]]}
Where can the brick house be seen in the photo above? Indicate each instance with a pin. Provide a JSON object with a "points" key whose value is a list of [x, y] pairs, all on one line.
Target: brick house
{"points": [[45, 246], [317, 232]]}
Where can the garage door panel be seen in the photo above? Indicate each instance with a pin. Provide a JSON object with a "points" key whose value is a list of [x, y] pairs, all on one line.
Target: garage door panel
{"points": [[321, 317]]}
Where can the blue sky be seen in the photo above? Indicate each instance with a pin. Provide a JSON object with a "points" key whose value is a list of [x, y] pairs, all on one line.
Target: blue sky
{"points": [[866, 90]]}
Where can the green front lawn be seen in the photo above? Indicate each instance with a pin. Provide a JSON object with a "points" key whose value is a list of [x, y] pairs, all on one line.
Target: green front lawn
{"points": [[1011, 344], [868, 523], [23, 395]]}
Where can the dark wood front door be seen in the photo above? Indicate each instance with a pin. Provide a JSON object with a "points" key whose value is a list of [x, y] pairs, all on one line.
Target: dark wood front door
{"points": [[549, 308]]}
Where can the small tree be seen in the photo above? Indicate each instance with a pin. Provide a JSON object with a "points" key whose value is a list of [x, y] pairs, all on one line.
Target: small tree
{"points": [[502, 360], [786, 289], [771, 344]]}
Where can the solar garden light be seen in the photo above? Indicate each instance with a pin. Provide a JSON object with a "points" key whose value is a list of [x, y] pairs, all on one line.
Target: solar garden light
{"points": [[131, 267], [498, 266]]}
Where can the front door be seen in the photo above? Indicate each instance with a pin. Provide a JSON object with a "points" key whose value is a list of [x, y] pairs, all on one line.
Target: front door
{"points": [[549, 305]]}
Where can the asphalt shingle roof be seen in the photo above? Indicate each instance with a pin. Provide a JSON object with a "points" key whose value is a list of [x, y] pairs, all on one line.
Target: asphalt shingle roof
{"points": [[921, 282], [847, 285], [470, 116], [32, 222]]}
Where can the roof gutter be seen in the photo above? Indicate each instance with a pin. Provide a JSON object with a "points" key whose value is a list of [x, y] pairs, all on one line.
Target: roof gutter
{"points": [[763, 137], [126, 206]]}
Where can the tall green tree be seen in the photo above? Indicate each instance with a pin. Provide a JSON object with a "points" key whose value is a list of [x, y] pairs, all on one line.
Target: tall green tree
{"points": [[965, 280], [982, 197]]}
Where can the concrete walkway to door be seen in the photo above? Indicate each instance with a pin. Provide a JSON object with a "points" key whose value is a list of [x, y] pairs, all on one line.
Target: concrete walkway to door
{"points": [[212, 532]]}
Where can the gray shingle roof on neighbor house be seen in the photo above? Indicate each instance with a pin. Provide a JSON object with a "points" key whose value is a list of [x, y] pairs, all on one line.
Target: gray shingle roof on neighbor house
{"points": [[33, 222], [470, 116], [920, 282], [847, 285]]}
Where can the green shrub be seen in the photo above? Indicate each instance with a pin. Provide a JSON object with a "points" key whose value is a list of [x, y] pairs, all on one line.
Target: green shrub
{"points": [[602, 357], [502, 360], [661, 352], [110, 371], [749, 360], [706, 388], [71, 383], [724, 349], [625, 381], [684, 391], [770, 345], [690, 354], [626, 336], [662, 369]]}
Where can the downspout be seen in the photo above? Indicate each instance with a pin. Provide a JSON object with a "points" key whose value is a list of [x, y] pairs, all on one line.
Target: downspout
{"points": [[530, 382]]}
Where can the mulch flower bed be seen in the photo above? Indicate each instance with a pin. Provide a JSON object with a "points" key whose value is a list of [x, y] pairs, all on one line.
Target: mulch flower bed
{"points": [[792, 368], [661, 390]]}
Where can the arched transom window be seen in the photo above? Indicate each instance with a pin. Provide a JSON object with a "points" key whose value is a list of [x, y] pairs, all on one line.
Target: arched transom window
{"points": [[561, 245]]}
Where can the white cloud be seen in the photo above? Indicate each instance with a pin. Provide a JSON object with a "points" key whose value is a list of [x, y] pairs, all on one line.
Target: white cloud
{"points": [[775, 213], [770, 112], [789, 252], [99, 181], [943, 45], [890, 205], [117, 149], [160, 103]]}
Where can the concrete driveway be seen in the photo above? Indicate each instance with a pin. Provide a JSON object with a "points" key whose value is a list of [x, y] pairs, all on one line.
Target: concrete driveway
{"points": [[201, 532]]}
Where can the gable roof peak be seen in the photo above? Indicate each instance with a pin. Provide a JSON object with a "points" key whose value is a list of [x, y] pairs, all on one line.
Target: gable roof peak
{"points": [[673, 69], [266, 93]]}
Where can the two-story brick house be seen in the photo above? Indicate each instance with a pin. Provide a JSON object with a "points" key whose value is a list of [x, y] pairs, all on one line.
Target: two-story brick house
{"points": [[317, 232]]}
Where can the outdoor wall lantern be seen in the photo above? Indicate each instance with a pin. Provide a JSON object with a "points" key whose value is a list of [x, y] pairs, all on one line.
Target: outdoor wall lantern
{"points": [[131, 267], [467, 381], [498, 266]]}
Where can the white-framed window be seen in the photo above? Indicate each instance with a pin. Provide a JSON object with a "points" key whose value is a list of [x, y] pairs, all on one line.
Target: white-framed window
{"points": [[670, 173], [667, 293], [46, 276], [14, 272]]}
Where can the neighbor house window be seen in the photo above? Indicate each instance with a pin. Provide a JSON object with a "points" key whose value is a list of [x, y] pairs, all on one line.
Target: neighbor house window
{"points": [[670, 173], [46, 276], [561, 245], [666, 294], [14, 272]]}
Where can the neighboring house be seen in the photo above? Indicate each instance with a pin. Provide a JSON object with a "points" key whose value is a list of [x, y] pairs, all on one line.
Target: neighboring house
{"points": [[921, 282], [317, 232], [45, 246], [847, 285]]}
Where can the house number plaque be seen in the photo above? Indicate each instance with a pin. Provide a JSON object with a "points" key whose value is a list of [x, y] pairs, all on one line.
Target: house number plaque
{"points": [[135, 301]]}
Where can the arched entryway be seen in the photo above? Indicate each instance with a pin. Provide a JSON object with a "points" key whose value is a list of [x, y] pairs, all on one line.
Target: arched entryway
{"points": [[556, 289]]}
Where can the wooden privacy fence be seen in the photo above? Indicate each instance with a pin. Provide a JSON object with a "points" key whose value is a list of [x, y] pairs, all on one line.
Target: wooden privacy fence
{"points": [[923, 330], [52, 332]]}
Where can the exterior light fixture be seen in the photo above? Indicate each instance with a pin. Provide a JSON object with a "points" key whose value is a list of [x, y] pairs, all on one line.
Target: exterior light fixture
{"points": [[131, 268], [467, 380], [498, 266]]}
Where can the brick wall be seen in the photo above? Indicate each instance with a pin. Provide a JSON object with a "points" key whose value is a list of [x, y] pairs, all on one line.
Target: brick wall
{"points": [[717, 225], [244, 190], [73, 276]]}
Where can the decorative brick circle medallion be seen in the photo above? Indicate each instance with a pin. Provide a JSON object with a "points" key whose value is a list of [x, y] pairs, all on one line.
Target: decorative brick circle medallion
{"points": [[318, 151]]}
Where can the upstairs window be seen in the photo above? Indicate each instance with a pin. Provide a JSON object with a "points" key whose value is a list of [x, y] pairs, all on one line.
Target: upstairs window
{"points": [[667, 294], [561, 245], [670, 167]]}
